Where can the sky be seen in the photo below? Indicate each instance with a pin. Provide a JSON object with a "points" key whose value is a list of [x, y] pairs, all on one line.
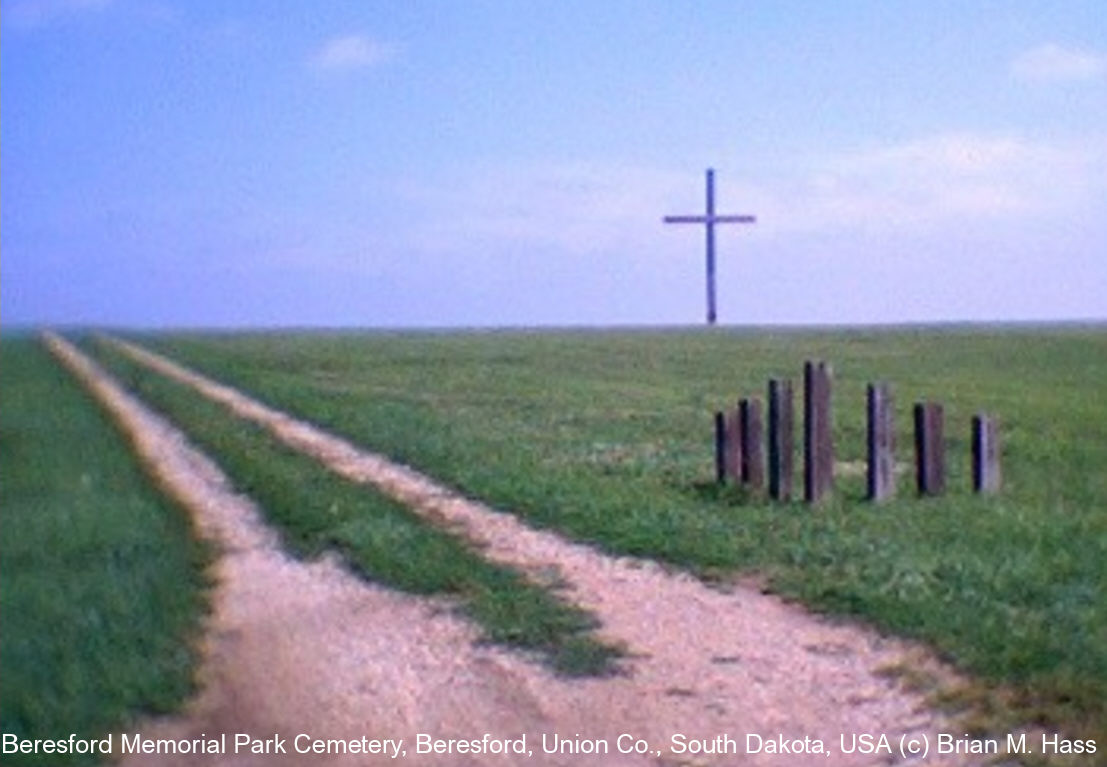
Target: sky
{"points": [[201, 163]]}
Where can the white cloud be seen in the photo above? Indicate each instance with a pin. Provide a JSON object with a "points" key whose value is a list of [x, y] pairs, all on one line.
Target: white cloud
{"points": [[352, 52], [950, 179], [947, 184], [578, 209], [1055, 63]]}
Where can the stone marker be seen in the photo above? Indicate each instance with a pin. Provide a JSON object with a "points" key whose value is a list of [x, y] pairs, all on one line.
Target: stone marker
{"points": [[753, 436], [720, 447], [781, 430], [818, 442], [733, 456], [930, 458], [985, 454], [881, 443]]}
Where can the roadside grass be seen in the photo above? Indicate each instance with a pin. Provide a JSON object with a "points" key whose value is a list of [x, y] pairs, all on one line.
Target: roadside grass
{"points": [[102, 581], [317, 511], [606, 436]]}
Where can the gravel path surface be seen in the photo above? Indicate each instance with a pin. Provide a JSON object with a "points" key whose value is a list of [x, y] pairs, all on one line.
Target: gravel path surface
{"points": [[298, 648]]}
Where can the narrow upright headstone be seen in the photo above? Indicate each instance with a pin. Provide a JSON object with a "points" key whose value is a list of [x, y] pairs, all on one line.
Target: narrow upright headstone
{"points": [[753, 434], [781, 430], [930, 460], [881, 442], [720, 447], [818, 444], [733, 452], [985, 454]]}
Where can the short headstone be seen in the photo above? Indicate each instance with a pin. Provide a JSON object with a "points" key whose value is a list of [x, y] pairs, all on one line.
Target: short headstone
{"points": [[930, 461], [753, 455], [733, 454], [728, 447], [985, 454]]}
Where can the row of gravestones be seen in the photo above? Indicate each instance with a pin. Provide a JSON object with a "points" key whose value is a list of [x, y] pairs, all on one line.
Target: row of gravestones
{"points": [[745, 451]]}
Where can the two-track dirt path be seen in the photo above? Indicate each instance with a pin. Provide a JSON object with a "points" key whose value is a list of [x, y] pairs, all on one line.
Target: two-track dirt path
{"points": [[307, 648]]}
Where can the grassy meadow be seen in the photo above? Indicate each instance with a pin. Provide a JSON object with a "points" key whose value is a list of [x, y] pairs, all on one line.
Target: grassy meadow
{"points": [[606, 436], [102, 584]]}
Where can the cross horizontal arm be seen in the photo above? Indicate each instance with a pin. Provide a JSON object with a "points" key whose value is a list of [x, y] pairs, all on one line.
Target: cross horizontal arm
{"points": [[710, 219]]}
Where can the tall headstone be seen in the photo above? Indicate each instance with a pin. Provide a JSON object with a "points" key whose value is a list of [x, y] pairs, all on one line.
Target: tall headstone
{"points": [[781, 430], [818, 442], [881, 443]]}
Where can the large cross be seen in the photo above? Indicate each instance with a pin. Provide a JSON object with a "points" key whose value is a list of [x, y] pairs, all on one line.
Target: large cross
{"points": [[710, 218]]}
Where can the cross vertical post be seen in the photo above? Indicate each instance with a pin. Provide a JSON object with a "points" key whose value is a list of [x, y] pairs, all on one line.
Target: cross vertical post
{"points": [[709, 220]]}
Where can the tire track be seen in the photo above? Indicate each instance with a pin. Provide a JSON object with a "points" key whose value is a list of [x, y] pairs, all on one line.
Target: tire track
{"points": [[295, 648]]}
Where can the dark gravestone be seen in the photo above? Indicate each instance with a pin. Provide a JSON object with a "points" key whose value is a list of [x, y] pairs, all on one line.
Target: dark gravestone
{"points": [[781, 430], [720, 447], [753, 435], [818, 443], [930, 457]]}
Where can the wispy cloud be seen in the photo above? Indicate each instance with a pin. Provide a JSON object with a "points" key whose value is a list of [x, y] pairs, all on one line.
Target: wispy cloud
{"points": [[575, 208], [1055, 63], [935, 182], [31, 14], [352, 52], [942, 183]]}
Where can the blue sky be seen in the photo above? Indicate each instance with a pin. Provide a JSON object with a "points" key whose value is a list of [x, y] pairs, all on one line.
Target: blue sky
{"points": [[508, 163]]}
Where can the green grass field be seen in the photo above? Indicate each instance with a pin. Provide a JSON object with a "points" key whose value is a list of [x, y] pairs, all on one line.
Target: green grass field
{"points": [[102, 584], [606, 436]]}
